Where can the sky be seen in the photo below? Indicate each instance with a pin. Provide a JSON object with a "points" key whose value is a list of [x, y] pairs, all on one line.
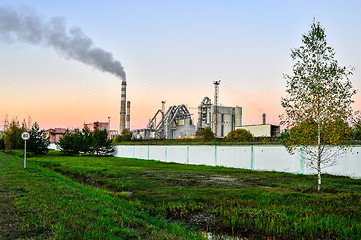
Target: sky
{"points": [[171, 51]]}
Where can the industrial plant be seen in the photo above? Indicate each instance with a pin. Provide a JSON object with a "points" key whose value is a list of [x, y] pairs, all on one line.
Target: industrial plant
{"points": [[220, 119], [176, 122]]}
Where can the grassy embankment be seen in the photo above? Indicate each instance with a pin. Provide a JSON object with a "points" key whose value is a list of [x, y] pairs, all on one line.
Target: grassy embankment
{"points": [[127, 196], [38, 203]]}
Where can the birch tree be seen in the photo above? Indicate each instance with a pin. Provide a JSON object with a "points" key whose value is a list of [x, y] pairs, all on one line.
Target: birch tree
{"points": [[318, 102]]}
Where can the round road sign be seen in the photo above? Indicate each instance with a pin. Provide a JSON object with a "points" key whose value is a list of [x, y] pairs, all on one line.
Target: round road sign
{"points": [[25, 136]]}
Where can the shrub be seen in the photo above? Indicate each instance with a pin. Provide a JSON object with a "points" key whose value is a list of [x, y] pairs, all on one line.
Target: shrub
{"points": [[357, 131], [2, 142], [239, 135], [125, 136], [101, 144], [38, 142], [12, 138], [206, 134], [69, 144], [85, 141]]}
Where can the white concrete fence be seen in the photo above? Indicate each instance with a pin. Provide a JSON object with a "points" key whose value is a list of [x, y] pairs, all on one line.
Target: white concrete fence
{"points": [[258, 157]]}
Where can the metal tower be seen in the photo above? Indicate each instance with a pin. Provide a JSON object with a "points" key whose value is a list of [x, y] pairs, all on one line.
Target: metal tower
{"points": [[216, 87], [6, 123], [162, 135]]}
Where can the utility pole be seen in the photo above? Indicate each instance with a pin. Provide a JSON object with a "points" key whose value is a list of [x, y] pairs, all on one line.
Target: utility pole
{"points": [[216, 87], [6, 123], [163, 112]]}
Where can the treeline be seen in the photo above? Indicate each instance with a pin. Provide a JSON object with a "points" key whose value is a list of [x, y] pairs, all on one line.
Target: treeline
{"points": [[75, 142], [84, 141], [239, 136], [11, 139]]}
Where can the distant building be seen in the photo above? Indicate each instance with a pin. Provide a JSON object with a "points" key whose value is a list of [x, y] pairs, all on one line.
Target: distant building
{"points": [[144, 133], [98, 126], [102, 126], [228, 118], [263, 130], [55, 134], [175, 123]]}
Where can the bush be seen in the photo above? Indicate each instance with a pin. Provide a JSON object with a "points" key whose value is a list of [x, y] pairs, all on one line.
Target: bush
{"points": [[206, 134], [239, 135], [85, 141], [101, 144], [2, 142], [69, 144], [12, 137], [125, 136], [357, 131], [38, 142]]}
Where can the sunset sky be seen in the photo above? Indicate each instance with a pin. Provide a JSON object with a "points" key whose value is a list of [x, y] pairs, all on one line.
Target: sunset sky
{"points": [[172, 51]]}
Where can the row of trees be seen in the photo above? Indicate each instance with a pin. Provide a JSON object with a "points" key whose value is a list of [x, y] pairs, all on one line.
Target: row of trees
{"points": [[71, 143], [84, 141], [238, 135], [11, 138], [334, 133]]}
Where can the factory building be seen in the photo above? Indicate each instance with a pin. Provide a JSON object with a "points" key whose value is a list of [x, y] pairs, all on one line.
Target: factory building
{"points": [[144, 133], [54, 134], [176, 122], [97, 126], [264, 129], [220, 119], [102, 126]]}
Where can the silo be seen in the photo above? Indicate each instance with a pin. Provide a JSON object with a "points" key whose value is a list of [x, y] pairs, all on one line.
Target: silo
{"points": [[238, 116]]}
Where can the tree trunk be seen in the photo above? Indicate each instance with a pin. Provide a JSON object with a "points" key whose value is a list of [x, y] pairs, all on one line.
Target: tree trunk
{"points": [[319, 175], [319, 156]]}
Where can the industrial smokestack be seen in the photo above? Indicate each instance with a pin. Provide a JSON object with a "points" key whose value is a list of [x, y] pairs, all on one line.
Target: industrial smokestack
{"points": [[23, 25], [128, 116], [123, 99], [264, 118]]}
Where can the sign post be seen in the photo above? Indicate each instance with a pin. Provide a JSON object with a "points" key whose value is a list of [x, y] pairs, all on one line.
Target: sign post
{"points": [[25, 136]]}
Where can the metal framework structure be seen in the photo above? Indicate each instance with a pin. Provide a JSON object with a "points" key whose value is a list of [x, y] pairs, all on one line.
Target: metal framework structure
{"points": [[169, 120], [203, 112], [6, 123], [216, 88]]}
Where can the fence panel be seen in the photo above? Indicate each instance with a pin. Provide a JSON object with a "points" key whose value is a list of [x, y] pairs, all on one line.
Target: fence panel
{"points": [[201, 155], [234, 156], [267, 158]]}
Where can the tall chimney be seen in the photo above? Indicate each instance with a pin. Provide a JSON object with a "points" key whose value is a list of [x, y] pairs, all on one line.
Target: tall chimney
{"points": [[264, 118], [123, 99], [128, 116]]}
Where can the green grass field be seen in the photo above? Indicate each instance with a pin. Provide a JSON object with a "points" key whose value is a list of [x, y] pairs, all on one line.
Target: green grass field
{"points": [[60, 197]]}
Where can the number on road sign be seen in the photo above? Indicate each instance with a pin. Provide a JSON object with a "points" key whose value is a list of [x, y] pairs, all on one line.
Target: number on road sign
{"points": [[25, 136]]}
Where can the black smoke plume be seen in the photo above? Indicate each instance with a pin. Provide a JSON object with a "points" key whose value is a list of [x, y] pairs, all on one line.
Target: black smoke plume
{"points": [[24, 25]]}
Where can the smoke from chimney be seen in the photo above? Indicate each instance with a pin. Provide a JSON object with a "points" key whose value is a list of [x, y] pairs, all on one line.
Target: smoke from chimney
{"points": [[24, 25]]}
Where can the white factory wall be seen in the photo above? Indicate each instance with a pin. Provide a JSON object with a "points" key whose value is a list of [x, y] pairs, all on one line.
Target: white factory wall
{"points": [[258, 130], [267, 158], [53, 146]]}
